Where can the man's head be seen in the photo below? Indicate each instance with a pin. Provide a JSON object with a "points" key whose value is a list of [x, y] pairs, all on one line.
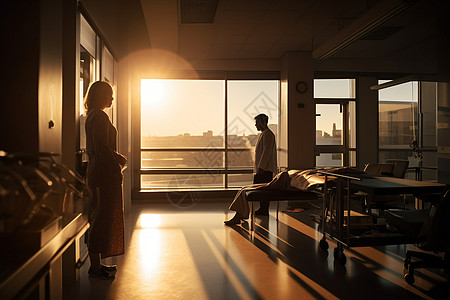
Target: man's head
{"points": [[261, 121]]}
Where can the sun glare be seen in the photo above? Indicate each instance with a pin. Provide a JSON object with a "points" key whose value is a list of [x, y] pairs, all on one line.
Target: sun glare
{"points": [[150, 221], [149, 256], [153, 92]]}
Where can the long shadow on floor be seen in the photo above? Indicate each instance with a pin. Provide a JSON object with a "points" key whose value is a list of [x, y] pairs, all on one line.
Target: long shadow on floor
{"points": [[440, 290], [303, 254], [216, 282]]}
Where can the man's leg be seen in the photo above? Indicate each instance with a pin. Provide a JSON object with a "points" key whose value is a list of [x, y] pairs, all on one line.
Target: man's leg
{"points": [[240, 206], [265, 177]]}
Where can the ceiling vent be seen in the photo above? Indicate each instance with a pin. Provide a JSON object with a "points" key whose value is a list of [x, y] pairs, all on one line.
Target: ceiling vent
{"points": [[197, 11]]}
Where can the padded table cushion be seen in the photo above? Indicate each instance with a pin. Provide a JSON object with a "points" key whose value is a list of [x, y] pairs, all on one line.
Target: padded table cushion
{"points": [[278, 195]]}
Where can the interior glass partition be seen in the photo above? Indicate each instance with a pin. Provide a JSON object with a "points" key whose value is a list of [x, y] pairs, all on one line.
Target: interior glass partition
{"points": [[88, 74], [407, 127]]}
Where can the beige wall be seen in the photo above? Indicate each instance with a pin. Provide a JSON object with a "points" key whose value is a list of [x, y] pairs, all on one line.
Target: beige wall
{"points": [[297, 141]]}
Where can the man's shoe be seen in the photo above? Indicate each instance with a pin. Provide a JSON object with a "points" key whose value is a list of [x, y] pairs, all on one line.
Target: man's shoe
{"points": [[109, 268], [103, 274], [234, 220], [261, 212]]}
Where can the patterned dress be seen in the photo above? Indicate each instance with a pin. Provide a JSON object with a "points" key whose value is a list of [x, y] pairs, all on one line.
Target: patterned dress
{"points": [[104, 178]]}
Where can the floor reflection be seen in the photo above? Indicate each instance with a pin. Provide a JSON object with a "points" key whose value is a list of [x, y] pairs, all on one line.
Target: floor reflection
{"points": [[183, 254]]}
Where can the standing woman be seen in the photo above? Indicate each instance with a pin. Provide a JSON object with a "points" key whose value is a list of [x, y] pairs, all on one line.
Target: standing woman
{"points": [[104, 178]]}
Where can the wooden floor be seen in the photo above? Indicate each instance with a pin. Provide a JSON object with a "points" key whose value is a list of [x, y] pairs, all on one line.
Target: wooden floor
{"points": [[188, 253]]}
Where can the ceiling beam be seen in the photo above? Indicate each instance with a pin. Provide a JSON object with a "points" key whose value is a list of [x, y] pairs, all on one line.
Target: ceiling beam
{"points": [[372, 19]]}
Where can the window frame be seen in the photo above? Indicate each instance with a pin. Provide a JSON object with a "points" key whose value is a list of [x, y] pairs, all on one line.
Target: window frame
{"points": [[414, 172], [345, 148], [225, 149]]}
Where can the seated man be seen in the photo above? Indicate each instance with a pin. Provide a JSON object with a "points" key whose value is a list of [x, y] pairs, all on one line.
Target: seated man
{"points": [[265, 164], [308, 181], [240, 203]]}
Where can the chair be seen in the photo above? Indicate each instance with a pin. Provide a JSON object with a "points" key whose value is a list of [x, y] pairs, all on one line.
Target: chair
{"points": [[379, 169], [432, 230], [399, 167], [393, 168]]}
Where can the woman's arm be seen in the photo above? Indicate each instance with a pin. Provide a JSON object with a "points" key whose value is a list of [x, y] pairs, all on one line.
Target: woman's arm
{"points": [[121, 159], [104, 153]]}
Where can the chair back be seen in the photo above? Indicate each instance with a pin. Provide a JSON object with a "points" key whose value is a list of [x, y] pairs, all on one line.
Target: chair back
{"points": [[400, 167], [378, 169], [436, 229]]}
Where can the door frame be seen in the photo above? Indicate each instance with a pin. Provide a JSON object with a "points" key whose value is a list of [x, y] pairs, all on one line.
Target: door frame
{"points": [[344, 148]]}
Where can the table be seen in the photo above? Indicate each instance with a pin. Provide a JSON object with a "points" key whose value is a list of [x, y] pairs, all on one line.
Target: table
{"points": [[337, 201], [382, 185]]}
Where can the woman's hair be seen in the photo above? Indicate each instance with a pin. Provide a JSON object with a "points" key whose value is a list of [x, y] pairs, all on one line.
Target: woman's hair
{"points": [[97, 95]]}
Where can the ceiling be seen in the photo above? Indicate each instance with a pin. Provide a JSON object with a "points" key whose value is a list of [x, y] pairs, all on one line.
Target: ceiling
{"points": [[263, 30]]}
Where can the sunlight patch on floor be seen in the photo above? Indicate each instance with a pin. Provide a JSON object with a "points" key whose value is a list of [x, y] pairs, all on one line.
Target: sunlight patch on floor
{"points": [[156, 266]]}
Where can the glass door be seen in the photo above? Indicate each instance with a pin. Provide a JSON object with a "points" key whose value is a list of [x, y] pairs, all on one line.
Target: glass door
{"points": [[331, 136], [335, 122], [86, 78]]}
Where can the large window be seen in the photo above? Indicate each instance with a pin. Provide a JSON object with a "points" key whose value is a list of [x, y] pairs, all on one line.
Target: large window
{"points": [[398, 116], [200, 133], [407, 126], [246, 99], [397, 122]]}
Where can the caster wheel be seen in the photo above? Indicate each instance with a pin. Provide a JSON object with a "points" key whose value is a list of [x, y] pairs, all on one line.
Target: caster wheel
{"points": [[339, 256], [323, 245], [342, 259], [406, 263], [409, 278], [336, 252]]}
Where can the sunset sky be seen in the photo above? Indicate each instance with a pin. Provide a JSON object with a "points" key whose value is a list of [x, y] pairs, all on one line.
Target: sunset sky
{"points": [[173, 107]]}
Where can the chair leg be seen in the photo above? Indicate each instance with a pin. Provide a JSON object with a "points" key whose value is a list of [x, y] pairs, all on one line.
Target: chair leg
{"points": [[252, 225], [426, 260], [278, 206]]}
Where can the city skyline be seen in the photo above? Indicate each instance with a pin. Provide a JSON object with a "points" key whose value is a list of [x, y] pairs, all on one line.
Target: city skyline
{"points": [[170, 107]]}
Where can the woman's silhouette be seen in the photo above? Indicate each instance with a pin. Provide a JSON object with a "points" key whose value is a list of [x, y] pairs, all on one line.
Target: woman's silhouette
{"points": [[104, 178]]}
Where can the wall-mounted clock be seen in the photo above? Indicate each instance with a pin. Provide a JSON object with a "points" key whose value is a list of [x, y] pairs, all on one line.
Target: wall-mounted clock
{"points": [[301, 87]]}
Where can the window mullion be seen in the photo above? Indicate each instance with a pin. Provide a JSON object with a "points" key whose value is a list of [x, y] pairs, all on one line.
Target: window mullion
{"points": [[226, 132]]}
